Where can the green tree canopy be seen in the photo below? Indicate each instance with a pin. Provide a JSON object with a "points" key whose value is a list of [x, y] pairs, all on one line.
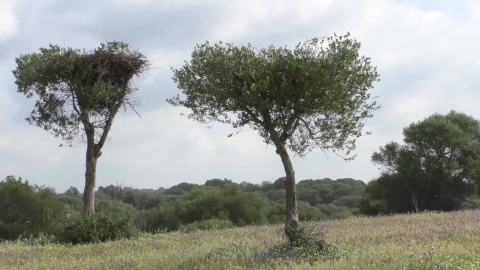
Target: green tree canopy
{"points": [[436, 166], [313, 96], [78, 93]]}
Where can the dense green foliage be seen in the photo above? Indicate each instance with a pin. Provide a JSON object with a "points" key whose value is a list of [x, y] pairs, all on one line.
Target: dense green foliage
{"points": [[341, 192], [247, 203], [26, 209], [219, 203], [436, 169], [76, 228]]}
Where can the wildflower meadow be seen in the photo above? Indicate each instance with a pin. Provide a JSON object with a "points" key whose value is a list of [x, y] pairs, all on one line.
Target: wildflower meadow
{"points": [[427, 240]]}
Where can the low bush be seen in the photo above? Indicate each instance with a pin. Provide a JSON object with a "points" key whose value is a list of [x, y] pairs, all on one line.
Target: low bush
{"points": [[76, 228], [305, 236], [303, 243]]}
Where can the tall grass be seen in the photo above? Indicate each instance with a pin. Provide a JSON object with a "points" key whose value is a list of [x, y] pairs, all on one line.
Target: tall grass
{"points": [[415, 241]]}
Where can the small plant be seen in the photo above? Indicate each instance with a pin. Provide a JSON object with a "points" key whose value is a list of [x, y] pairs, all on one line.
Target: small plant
{"points": [[76, 228]]}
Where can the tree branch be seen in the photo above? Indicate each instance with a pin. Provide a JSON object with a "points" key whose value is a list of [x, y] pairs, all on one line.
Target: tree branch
{"points": [[253, 116], [108, 123], [74, 104], [289, 127], [310, 132]]}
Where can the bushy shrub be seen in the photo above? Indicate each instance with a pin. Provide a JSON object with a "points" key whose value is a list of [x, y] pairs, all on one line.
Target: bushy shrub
{"points": [[75, 228], [305, 236], [303, 243], [210, 224]]}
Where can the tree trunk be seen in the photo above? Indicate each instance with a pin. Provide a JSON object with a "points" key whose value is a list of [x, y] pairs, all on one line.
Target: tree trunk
{"points": [[90, 177], [290, 195]]}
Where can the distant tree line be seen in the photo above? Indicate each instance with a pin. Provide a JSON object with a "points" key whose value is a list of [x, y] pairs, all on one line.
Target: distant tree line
{"points": [[242, 204], [27, 209]]}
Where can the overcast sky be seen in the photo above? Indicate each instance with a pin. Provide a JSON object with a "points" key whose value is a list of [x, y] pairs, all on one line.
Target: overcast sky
{"points": [[427, 54]]}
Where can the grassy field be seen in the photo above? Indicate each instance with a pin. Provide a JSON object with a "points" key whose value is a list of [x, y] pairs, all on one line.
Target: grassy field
{"points": [[417, 241]]}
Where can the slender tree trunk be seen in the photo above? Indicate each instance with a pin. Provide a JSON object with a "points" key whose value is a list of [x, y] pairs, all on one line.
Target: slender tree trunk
{"points": [[90, 178], [290, 195]]}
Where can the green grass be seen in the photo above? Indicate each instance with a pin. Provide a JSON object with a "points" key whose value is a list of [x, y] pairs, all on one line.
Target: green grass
{"points": [[417, 241]]}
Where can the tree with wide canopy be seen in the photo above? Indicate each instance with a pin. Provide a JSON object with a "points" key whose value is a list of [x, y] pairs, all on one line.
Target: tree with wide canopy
{"points": [[314, 96], [436, 168]]}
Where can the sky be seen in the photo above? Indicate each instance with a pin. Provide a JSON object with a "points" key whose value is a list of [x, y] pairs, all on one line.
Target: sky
{"points": [[426, 52]]}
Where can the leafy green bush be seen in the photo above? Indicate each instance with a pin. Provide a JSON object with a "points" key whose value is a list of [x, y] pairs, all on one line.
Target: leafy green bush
{"points": [[306, 237], [210, 224], [303, 243], [76, 228]]}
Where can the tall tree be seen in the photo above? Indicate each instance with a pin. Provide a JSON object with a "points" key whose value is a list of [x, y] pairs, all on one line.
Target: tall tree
{"points": [[79, 93], [314, 96], [437, 165]]}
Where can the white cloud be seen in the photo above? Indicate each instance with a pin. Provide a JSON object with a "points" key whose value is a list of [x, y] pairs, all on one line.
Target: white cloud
{"points": [[8, 21]]}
